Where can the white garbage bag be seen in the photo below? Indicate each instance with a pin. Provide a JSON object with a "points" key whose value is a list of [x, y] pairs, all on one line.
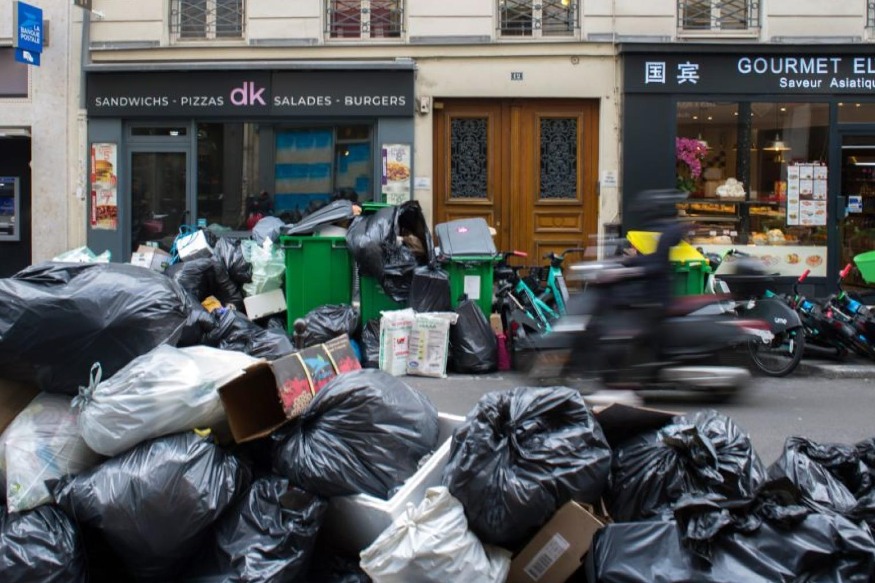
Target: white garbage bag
{"points": [[43, 443], [432, 543], [268, 266], [165, 391]]}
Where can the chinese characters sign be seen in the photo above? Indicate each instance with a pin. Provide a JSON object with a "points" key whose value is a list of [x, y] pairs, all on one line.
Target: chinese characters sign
{"points": [[104, 187], [750, 73]]}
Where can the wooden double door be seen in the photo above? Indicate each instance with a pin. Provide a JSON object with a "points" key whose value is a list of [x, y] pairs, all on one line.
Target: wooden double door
{"points": [[529, 167]]}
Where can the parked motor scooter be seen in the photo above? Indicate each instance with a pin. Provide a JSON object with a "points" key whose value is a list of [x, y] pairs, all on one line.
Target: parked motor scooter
{"points": [[640, 346]]}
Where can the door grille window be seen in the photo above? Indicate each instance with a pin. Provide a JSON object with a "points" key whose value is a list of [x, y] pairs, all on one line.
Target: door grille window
{"points": [[558, 158], [718, 15], [364, 18], [469, 157], [207, 19], [537, 18]]}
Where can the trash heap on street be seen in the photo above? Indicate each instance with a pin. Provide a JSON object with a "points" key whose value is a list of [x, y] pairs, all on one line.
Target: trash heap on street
{"points": [[159, 424]]}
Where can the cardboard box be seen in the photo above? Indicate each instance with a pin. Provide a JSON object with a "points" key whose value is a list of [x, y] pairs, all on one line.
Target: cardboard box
{"points": [[14, 397], [558, 549], [193, 246], [495, 322], [151, 258], [620, 421], [266, 304], [267, 394], [352, 523]]}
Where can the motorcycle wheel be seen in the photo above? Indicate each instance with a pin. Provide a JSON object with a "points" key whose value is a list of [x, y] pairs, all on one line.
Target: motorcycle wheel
{"points": [[781, 356]]}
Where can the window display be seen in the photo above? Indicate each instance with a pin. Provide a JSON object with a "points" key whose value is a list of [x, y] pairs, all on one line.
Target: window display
{"points": [[757, 178]]}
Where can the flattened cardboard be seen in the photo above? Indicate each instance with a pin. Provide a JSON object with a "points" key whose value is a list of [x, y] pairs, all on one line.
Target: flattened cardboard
{"points": [[620, 421], [558, 549], [14, 397]]}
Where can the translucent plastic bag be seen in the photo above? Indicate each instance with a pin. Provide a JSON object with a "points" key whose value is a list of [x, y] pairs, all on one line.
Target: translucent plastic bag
{"points": [[83, 255], [43, 443], [165, 391], [432, 542], [268, 266]]}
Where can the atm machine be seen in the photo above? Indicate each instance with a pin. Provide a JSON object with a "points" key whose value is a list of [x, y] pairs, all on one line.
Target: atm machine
{"points": [[10, 208]]}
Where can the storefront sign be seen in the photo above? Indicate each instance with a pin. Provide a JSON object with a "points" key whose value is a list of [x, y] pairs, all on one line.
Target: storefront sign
{"points": [[27, 26], [750, 73], [371, 93], [104, 186], [396, 173], [784, 259]]}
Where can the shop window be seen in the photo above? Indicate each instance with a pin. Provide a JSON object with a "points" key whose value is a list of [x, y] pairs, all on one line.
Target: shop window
{"points": [[855, 112], [362, 19], [718, 15], [757, 177], [315, 164], [537, 18], [206, 19]]}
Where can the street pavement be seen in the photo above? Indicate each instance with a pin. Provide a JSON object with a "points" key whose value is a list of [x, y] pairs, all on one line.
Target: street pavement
{"points": [[824, 400]]}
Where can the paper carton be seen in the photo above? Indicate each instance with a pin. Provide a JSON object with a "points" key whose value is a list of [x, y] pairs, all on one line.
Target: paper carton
{"points": [[558, 549], [620, 421], [193, 246], [268, 394], [151, 258], [266, 304]]}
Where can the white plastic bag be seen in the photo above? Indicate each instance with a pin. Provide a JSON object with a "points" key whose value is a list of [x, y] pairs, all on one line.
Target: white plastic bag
{"points": [[43, 443], [432, 542], [395, 327], [167, 390], [430, 343], [268, 266], [83, 255]]}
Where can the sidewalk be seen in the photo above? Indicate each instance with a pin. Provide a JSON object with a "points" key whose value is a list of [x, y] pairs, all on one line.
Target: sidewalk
{"points": [[852, 367]]}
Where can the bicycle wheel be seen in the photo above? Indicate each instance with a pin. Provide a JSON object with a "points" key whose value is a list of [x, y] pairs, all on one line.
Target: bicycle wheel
{"points": [[781, 356]]}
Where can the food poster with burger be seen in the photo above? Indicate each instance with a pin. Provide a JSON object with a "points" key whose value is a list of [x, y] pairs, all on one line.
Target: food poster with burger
{"points": [[396, 173], [104, 187], [806, 194]]}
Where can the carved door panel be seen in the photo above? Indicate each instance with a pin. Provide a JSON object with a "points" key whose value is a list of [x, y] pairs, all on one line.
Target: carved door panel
{"points": [[528, 167]]}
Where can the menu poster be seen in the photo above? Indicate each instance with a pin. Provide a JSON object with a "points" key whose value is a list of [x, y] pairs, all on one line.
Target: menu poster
{"points": [[806, 194], [396, 173], [104, 186]]}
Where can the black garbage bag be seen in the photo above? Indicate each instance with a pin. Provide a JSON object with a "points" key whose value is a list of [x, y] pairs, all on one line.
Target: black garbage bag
{"points": [[331, 566], [234, 331], [473, 344], [520, 455], [724, 541], [337, 210], [41, 545], [399, 264], [830, 476], [57, 319], [371, 344], [329, 321], [368, 237], [230, 252], [364, 432], [155, 503], [269, 535], [704, 452], [198, 323], [204, 277], [430, 290]]}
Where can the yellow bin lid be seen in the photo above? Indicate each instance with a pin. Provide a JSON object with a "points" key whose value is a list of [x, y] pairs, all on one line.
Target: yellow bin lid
{"points": [[645, 242]]}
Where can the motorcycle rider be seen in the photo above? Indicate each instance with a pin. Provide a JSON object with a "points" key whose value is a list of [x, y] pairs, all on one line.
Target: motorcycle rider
{"points": [[639, 294]]}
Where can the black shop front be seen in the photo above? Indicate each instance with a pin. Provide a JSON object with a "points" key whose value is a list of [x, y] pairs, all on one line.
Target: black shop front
{"points": [[775, 144], [174, 146]]}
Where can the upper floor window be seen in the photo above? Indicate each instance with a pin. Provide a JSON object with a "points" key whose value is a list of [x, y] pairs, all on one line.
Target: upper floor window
{"points": [[364, 18], [206, 19], [716, 15], [870, 13], [537, 18]]}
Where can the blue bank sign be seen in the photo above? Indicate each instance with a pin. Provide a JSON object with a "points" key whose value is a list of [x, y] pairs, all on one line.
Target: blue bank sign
{"points": [[27, 24]]}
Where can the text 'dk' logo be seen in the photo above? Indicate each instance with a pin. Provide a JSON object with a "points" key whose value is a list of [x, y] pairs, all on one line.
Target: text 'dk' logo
{"points": [[247, 94]]}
